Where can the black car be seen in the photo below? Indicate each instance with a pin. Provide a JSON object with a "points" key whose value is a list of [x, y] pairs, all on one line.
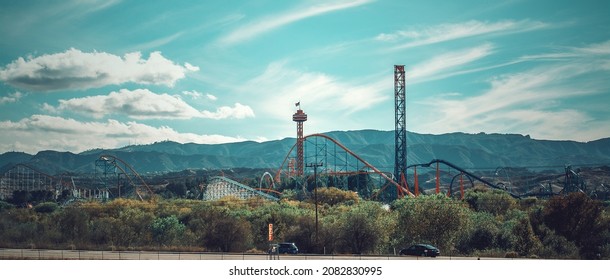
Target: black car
{"points": [[284, 248], [424, 250]]}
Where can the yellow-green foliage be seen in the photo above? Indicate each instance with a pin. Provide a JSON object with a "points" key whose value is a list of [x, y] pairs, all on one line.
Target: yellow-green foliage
{"points": [[333, 196], [434, 219], [486, 222]]}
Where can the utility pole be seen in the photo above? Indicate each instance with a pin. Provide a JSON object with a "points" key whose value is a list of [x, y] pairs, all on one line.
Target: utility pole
{"points": [[315, 191]]}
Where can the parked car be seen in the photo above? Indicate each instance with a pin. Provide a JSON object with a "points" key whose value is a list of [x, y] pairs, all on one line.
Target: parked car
{"points": [[283, 248], [424, 250]]}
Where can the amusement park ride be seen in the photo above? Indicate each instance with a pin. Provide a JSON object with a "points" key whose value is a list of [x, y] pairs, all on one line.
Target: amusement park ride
{"points": [[334, 165]]}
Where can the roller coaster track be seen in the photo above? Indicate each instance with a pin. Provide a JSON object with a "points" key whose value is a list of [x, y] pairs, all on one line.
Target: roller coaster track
{"points": [[220, 187], [22, 177], [469, 175], [402, 186], [110, 159], [402, 190]]}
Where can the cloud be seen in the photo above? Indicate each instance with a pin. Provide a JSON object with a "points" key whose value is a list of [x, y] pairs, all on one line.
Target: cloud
{"points": [[196, 95], [74, 69], [536, 101], [238, 111], [144, 104], [193, 94], [42, 132], [420, 36], [595, 51], [280, 84], [159, 42], [11, 98], [256, 28], [436, 67], [211, 97]]}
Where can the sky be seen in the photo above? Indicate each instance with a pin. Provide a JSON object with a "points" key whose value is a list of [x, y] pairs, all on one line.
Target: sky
{"points": [[84, 74]]}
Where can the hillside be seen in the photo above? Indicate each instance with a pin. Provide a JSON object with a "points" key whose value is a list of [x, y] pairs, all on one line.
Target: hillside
{"points": [[377, 147]]}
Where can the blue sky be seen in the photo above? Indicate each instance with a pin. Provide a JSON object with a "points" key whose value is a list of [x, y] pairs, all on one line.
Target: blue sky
{"points": [[77, 75]]}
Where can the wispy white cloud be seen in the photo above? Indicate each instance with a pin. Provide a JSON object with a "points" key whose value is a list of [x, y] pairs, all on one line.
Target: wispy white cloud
{"points": [[279, 87], [144, 104], [90, 6], [437, 67], [211, 96], [196, 95], [258, 27], [427, 35], [593, 51], [74, 69], [40, 132], [158, 42], [532, 101], [602, 48], [51, 13], [193, 94], [11, 98]]}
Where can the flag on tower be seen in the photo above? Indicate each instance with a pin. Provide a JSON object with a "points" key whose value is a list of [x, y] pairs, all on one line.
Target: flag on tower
{"points": [[297, 104]]}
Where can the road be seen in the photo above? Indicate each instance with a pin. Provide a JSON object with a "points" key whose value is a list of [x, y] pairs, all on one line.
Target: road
{"points": [[41, 254]]}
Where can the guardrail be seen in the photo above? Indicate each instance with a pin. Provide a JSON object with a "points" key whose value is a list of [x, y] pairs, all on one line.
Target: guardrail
{"points": [[44, 254]]}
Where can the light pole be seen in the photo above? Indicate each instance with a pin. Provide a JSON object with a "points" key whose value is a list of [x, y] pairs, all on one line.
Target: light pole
{"points": [[315, 191]]}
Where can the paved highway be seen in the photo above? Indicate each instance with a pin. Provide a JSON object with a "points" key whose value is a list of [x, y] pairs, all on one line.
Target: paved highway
{"points": [[40, 254]]}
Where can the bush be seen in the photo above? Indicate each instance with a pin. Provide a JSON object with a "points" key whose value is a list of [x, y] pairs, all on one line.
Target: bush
{"points": [[165, 231], [579, 219], [558, 247], [434, 219], [492, 201], [46, 207], [5, 206], [363, 228], [333, 196]]}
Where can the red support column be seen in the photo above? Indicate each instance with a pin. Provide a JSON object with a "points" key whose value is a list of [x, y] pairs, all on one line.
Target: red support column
{"points": [[438, 179], [416, 182]]}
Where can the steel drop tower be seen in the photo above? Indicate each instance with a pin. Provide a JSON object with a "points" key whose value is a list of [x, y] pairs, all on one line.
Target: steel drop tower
{"points": [[299, 117], [400, 138]]}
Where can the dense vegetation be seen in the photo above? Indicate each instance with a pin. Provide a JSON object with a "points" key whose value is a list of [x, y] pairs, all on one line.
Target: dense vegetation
{"points": [[484, 223]]}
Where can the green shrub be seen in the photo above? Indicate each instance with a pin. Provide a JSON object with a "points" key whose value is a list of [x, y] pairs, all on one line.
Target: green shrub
{"points": [[5, 206], [46, 207]]}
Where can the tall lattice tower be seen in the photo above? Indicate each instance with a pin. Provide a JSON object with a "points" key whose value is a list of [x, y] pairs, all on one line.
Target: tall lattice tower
{"points": [[400, 138], [299, 117]]}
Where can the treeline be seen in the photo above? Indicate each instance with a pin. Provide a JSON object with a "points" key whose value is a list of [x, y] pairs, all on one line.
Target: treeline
{"points": [[484, 223]]}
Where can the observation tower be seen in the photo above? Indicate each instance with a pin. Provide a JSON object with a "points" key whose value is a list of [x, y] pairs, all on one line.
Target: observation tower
{"points": [[299, 117]]}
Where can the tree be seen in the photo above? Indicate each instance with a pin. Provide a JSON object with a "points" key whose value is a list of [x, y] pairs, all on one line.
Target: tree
{"points": [[178, 188], [21, 197], [434, 219], [219, 228], [303, 233], [73, 224], [165, 231], [526, 242], [579, 219], [481, 234], [364, 228]]}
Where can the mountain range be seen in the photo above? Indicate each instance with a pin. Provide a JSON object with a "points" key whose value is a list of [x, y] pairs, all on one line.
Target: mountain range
{"points": [[376, 147]]}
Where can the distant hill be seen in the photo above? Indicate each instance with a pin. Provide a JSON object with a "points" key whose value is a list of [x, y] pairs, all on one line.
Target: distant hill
{"points": [[376, 147]]}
